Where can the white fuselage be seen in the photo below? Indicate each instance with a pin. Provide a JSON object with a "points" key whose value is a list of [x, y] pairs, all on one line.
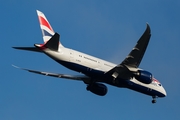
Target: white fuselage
{"points": [[84, 63]]}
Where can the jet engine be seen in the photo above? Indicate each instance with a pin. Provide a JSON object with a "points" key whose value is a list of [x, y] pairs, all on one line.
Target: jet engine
{"points": [[97, 88], [143, 76]]}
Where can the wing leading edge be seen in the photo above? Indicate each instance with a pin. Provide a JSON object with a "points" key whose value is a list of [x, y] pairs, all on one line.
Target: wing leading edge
{"points": [[131, 63]]}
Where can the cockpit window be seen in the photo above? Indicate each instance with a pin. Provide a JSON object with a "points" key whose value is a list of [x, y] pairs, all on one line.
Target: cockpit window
{"points": [[159, 84]]}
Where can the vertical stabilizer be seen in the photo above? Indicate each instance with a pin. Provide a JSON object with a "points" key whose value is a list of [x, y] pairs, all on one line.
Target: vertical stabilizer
{"points": [[47, 30]]}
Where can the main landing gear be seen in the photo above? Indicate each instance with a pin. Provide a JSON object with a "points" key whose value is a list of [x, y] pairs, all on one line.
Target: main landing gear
{"points": [[154, 99]]}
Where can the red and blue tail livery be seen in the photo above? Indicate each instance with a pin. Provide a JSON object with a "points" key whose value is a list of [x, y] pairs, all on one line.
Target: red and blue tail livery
{"points": [[96, 72], [45, 26]]}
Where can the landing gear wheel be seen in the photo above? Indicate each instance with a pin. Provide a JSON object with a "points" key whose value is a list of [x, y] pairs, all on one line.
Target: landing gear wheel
{"points": [[153, 101]]}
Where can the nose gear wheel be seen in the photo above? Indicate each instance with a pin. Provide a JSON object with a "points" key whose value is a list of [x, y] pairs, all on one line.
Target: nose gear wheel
{"points": [[154, 99]]}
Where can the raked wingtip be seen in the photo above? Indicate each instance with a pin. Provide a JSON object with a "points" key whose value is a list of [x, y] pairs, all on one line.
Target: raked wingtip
{"points": [[15, 66]]}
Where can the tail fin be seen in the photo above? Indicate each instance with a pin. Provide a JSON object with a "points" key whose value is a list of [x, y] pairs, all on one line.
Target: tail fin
{"points": [[47, 30], [51, 39]]}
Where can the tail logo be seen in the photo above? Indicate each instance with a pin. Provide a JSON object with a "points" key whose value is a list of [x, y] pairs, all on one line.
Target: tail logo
{"points": [[46, 28]]}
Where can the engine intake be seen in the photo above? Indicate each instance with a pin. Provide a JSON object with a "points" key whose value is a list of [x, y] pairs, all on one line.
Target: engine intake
{"points": [[144, 76], [97, 88]]}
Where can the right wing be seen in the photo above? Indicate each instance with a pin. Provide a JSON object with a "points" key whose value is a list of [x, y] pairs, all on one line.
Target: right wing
{"points": [[83, 78]]}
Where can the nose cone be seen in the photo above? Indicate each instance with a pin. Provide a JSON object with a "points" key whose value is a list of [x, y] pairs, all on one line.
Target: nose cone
{"points": [[163, 92]]}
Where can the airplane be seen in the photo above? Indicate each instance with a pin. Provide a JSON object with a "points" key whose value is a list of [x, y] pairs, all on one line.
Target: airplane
{"points": [[95, 72]]}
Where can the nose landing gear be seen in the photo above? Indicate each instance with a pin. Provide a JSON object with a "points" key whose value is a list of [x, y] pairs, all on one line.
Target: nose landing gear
{"points": [[154, 99]]}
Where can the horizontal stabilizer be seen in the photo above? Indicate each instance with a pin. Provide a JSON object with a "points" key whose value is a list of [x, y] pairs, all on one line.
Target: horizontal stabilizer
{"points": [[28, 49], [53, 43]]}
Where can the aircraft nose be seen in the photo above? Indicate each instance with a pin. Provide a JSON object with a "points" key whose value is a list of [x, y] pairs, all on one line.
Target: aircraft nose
{"points": [[164, 92]]}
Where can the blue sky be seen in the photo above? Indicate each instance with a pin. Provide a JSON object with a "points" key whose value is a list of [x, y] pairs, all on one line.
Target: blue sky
{"points": [[105, 29]]}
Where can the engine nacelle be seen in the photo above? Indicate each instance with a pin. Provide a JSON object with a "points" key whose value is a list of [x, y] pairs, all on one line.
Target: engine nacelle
{"points": [[144, 76], [97, 88]]}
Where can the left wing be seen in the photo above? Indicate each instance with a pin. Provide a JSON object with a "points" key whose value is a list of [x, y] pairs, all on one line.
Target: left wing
{"points": [[135, 56], [86, 79], [131, 63]]}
